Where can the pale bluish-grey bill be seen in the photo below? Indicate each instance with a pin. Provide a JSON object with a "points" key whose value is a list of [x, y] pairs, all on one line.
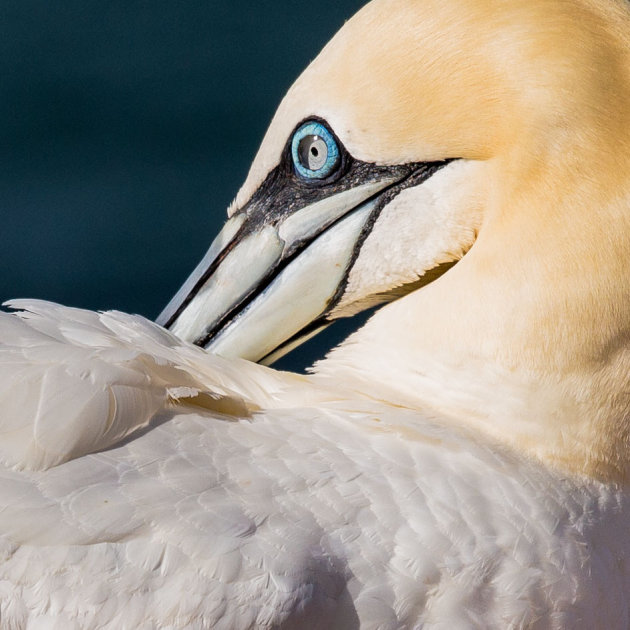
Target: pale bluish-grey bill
{"points": [[241, 261]]}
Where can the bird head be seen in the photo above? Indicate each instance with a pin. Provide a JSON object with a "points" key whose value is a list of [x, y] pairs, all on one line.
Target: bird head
{"points": [[443, 149]]}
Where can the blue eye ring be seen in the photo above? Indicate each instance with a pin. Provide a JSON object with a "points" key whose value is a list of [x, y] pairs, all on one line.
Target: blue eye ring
{"points": [[315, 151]]}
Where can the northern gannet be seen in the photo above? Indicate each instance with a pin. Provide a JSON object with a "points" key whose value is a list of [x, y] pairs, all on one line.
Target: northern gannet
{"points": [[462, 460]]}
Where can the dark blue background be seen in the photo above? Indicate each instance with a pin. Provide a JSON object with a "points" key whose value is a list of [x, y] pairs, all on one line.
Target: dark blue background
{"points": [[126, 128]]}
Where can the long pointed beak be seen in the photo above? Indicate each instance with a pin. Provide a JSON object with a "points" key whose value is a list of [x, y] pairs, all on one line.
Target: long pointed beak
{"points": [[278, 267]]}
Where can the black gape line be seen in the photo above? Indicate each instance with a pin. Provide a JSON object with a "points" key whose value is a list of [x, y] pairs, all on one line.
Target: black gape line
{"points": [[284, 192]]}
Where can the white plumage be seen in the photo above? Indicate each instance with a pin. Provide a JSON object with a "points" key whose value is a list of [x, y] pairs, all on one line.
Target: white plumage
{"points": [[460, 462], [327, 515]]}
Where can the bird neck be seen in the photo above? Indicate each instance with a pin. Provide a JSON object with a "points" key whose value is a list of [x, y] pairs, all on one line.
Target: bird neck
{"points": [[527, 338]]}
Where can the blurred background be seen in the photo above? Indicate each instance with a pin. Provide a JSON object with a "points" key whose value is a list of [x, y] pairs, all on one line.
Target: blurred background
{"points": [[127, 127]]}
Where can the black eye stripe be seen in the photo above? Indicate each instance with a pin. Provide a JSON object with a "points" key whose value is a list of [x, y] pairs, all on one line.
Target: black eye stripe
{"points": [[283, 191]]}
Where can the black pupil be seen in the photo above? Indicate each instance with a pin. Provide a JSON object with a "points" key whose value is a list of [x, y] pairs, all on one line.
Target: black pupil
{"points": [[313, 152]]}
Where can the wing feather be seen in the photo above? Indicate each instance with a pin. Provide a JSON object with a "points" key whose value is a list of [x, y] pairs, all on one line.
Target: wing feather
{"points": [[74, 382]]}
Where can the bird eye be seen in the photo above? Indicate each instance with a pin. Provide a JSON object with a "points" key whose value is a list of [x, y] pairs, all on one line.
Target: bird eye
{"points": [[315, 151]]}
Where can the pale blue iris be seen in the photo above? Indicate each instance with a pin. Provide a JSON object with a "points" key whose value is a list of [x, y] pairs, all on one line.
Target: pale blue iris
{"points": [[314, 150]]}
